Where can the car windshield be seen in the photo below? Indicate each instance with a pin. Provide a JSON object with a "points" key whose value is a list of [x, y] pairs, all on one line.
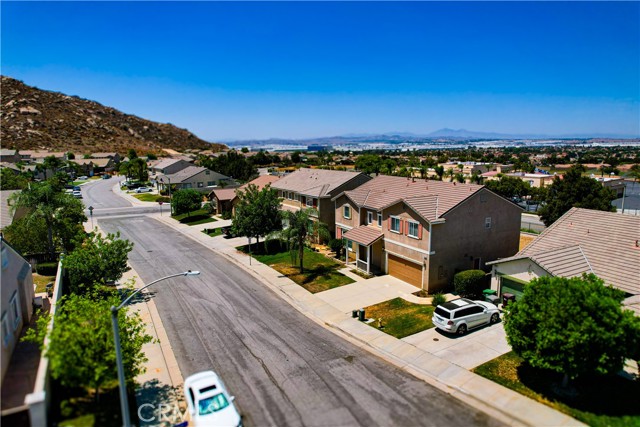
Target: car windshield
{"points": [[212, 404], [443, 313]]}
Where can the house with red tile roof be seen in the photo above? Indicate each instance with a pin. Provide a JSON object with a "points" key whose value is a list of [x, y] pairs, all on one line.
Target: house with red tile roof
{"points": [[423, 232], [224, 199], [606, 244]]}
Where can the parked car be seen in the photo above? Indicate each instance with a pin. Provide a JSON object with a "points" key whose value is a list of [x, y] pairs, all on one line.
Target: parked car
{"points": [[77, 194], [76, 188], [209, 402], [144, 190], [106, 176], [460, 315], [83, 178]]}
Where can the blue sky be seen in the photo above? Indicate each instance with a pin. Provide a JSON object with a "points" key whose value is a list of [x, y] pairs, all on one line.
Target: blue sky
{"points": [[302, 69]]}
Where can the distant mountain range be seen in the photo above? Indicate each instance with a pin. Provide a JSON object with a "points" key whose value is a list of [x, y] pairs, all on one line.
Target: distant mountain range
{"points": [[33, 118]]}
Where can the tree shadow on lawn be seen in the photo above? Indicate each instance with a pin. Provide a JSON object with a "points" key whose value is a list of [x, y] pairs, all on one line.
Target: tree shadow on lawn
{"points": [[317, 272], [610, 395], [194, 218]]}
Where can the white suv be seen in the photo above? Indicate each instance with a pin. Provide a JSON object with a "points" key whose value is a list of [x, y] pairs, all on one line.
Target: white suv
{"points": [[460, 315]]}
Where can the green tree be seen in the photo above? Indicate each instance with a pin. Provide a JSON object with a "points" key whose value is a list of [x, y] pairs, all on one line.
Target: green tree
{"points": [[81, 349], [439, 170], [634, 172], [369, 163], [139, 169], [571, 326], [152, 156], [575, 190], [126, 170], [28, 237], [185, 201], [131, 154], [257, 212], [299, 226], [295, 157], [11, 181], [70, 156], [98, 261], [509, 187], [244, 150], [60, 211]]}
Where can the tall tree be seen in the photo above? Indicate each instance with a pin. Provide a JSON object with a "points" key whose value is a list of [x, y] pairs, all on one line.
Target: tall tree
{"points": [[98, 261], [139, 169], [575, 190], [369, 163], [297, 228], [185, 201], [257, 212], [509, 187], [57, 209], [11, 181], [572, 326], [81, 349]]}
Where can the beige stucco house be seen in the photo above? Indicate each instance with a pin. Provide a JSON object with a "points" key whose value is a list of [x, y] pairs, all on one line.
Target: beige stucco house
{"points": [[17, 299], [423, 232], [581, 241], [224, 199], [314, 188], [198, 178]]}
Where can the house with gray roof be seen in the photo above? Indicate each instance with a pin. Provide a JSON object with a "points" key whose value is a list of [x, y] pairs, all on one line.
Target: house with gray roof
{"points": [[314, 188], [606, 244], [422, 231], [198, 178], [170, 166]]}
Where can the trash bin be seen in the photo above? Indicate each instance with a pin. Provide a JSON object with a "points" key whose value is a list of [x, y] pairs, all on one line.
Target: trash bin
{"points": [[489, 292], [506, 298], [493, 299], [361, 315], [354, 313]]}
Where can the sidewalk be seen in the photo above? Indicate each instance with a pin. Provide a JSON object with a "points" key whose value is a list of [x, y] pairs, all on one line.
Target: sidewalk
{"points": [[415, 355]]}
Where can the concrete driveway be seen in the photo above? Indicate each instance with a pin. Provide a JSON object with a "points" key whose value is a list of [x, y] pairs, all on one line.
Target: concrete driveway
{"points": [[473, 349]]}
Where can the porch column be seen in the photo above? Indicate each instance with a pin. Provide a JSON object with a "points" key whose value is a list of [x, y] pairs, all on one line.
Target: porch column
{"points": [[368, 259], [346, 252]]}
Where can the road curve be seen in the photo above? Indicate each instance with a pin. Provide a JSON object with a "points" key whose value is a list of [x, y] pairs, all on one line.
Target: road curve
{"points": [[284, 369]]}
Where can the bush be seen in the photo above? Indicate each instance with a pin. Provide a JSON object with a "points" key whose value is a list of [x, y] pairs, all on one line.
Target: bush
{"points": [[438, 299], [470, 283], [208, 208], [226, 215], [336, 246], [47, 268]]}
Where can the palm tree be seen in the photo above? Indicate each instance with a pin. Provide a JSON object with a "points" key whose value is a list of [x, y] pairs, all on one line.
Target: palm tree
{"points": [[299, 227]]}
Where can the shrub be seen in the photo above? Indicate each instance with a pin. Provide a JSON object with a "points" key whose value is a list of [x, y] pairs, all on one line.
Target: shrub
{"points": [[208, 208], [336, 246], [438, 299], [226, 215], [470, 283], [47, 268]]}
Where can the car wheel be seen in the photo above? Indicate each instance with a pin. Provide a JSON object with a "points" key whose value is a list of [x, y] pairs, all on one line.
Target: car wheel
{"points": [[462, 329], [494, 318]]}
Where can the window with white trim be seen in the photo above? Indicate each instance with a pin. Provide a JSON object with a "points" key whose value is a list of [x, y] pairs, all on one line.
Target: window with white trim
{"points": [[6, 332], [346, 211], [413, 229], [395, 224], [309, 202], [487, 222], [15, 310], [379, 220], [369, 217]]}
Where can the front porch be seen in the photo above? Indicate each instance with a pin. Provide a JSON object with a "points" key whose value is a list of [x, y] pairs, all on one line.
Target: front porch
{"points": [[363, 249]]}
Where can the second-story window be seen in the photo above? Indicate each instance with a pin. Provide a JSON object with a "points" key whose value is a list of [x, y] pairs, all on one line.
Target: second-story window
{"points": [[395, 225], [369, 217], [413, 229], [346, 212], [379, 220], [487, 222]]}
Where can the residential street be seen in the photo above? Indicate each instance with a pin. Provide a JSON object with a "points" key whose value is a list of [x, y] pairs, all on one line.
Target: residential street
{"points": [[105, 202], [283, 368]]}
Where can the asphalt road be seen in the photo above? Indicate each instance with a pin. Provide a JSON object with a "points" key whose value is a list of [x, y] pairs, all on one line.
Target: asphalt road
{"points": [[284, 369], [105, 202]]}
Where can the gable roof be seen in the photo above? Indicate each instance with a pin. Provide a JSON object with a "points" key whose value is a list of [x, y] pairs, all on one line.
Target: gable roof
{"points": [[224, 193], [314, 182], [608, 242], [191, 171], [364, 234], [430, 199], [103, 155], [261, 181], [164, 163]]}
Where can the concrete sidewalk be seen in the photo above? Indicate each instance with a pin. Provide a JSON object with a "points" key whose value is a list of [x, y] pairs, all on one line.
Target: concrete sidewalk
{"points": [[417, 355]]}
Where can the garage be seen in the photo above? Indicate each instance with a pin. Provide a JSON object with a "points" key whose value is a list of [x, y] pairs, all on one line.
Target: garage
{"points": [[405, 270]]}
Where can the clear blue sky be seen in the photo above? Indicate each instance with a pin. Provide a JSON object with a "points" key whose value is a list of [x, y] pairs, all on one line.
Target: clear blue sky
{"points": [[259, 70]]}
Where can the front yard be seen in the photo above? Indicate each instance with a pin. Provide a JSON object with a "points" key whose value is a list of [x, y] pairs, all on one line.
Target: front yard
{"points": [[201, 216], [400, 318], [149, 197], [599, 401], [320, 272]]}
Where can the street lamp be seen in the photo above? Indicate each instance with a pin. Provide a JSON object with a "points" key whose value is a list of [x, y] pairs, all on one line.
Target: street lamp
{"points": [[169, 180], [91, 215], [124, 403]]}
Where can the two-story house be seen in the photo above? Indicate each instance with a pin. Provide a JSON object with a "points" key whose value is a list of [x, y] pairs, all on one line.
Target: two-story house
{"points": [[198, 178], [314, 188], [423, 232]]}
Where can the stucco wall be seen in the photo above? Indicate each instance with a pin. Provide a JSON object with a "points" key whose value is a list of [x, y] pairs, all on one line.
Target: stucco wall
{"points": [[352, 222], [463, 237], [522, 269]]}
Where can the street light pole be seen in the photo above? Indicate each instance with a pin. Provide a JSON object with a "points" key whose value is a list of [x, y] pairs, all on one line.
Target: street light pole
{"points": [[124, 402], [91, 215]]}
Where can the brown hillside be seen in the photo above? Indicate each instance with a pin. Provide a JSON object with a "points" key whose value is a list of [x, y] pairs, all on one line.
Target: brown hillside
{"points": [[38, 119]]}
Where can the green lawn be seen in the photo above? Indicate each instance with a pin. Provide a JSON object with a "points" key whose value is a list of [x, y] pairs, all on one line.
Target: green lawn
{"points": [[320, 272], [400, 318], [600, 401], [194, 218], [148, 197], [79, 182], [212, 232], [42, 281]]}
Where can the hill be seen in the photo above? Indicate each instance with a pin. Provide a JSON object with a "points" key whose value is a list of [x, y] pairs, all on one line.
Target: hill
{"points": [[33, 118]]}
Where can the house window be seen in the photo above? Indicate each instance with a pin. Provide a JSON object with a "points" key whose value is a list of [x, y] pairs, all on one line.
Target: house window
{"points": [[290, 196], [15, 310], [346, 212], [207, 172], [395, 224], [487, 222], [200, 184], [350, 245], [413, 229], [379, 220], [6, 332], [211, 183], [309, 202], [187, 185], [369, 217], [483, 198]]}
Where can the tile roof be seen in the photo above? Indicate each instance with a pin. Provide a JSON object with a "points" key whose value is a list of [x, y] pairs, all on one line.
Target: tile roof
{"points": [[225, 193], [430, 199], [7, 152], [585, 240], [365, 235], [261, 181], [165, 163], [190, 171], [314, 182], [102, 155]]}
